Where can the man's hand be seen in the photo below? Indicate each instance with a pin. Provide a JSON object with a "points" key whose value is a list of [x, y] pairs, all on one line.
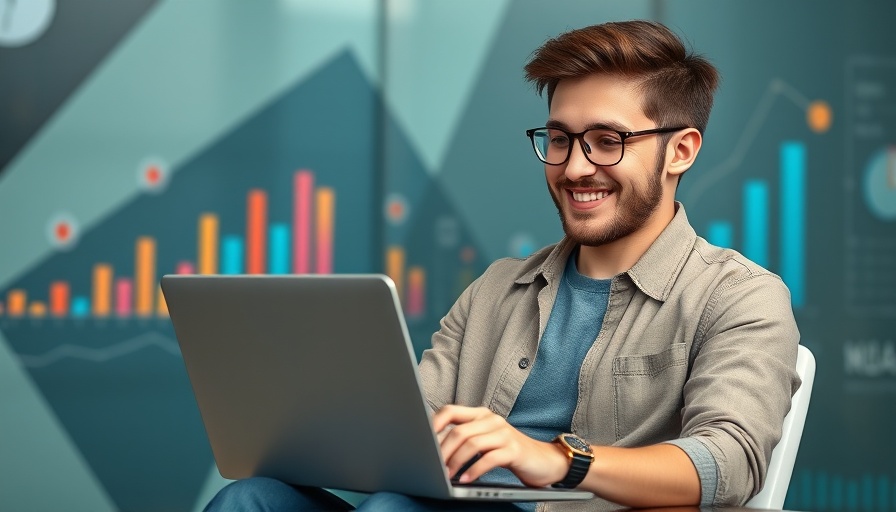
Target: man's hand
{"points": [[479, 431]]}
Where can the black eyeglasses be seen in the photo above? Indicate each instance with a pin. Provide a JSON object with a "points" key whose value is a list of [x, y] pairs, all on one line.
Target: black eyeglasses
{"points": [[601, 146]]}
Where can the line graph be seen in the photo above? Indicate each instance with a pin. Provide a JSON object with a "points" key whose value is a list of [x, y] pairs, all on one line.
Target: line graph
{"points": [[100, 355], [816, 111]]}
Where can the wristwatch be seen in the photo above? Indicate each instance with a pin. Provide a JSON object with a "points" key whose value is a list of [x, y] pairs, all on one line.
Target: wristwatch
{"points": [[580, 458]]}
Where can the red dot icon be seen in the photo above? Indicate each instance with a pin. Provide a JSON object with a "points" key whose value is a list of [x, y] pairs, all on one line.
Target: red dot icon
{"points": [[63, 231], [153, 175]]}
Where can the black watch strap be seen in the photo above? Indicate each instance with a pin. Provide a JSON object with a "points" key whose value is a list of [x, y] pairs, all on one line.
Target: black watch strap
{"points": [[580, 459], [578, 468]]}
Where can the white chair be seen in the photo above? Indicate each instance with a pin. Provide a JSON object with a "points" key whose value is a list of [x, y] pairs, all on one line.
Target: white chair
{"points": [[783, 456]]}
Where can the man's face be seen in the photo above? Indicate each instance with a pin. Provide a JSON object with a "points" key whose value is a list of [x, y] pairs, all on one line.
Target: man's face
{"points": [[601, 204]]}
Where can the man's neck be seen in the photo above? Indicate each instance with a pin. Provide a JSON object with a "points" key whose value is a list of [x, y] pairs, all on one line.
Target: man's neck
{"points": [[608, 260]]}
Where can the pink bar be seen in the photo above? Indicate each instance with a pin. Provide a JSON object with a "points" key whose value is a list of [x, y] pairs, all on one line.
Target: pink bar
{"points": [[415, 301], [185, 267], [303, 190], [124, 296]]}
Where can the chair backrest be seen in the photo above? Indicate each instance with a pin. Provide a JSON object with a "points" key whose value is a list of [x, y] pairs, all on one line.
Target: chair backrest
{"points": [[784, 455]]}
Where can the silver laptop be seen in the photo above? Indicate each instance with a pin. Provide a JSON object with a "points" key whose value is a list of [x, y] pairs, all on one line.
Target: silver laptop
{"points": [[313, 380]]}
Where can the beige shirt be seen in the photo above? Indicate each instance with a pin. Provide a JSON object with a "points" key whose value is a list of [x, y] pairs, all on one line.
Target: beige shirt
{"points": [[698, 345]]}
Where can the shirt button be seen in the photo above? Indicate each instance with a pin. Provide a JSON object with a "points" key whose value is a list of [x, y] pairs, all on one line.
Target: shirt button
{"points": [[524, 363]]}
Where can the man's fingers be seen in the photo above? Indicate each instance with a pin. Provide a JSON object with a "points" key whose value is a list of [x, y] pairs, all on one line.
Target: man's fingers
{"points": [[456, 414]]}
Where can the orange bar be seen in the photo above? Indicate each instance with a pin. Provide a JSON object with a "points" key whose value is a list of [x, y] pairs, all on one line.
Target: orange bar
{"points": [[1, 309], [145, 276], [15, 302], [256, 232], [395, 268], [325, 200], [416, 291], [208, 244], [37, 309], [162, 305], [102, 289], [59, 298]]}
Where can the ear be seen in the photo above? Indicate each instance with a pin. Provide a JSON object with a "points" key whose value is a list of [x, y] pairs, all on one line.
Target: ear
{"points": [[684, 149]]}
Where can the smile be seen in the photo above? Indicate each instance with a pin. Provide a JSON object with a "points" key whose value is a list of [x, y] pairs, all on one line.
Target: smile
{"points": [[584, 197]]}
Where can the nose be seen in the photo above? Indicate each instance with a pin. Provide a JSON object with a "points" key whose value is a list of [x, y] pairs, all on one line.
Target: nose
{"points": [[578, 166]]}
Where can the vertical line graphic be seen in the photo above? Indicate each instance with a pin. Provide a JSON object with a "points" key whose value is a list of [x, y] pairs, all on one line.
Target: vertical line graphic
{"points": [[395, 268], [123, 297], [416, 291], [756, 221], [721, 233], [15, 302], [145, 275], [279, 251], [256, 231], [208, 244], [793, 224], [326, 212], [303, 183], [102, 289], [232, 255], [59, 298]]}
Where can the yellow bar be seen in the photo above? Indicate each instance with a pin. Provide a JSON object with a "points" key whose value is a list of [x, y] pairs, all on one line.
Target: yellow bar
{"points": [[395, 268], [325, 199], [15, 303], [208, 244], [37, 309], [102, 289], [162, 305], [145, 276]]}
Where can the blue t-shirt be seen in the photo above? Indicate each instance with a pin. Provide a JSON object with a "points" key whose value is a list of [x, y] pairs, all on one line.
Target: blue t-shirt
{"points": [[547, 401]]}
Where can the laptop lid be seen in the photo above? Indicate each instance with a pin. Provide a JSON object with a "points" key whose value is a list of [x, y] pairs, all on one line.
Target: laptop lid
{"points": [[312, 379]]}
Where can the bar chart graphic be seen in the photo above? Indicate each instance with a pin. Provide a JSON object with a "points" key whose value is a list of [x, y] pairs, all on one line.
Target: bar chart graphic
{"points": [[757, 225], [265, 248], [90, 321]]}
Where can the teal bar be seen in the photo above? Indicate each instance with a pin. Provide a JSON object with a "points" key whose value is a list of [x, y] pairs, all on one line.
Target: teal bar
{"points": [[821, 491], [232, 255], [793, 219], [756, 226], [837, 493], [867, 492], [80, 307], [806, 503], [883, 493], [279, 250], [852, 495], [720, 233]]}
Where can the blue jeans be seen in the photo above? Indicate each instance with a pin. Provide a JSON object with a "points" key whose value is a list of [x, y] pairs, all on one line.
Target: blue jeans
{"points": [[269, 495]]}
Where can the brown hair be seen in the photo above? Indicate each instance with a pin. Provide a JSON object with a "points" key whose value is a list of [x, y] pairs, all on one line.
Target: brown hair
{"points": [[678, 85]]}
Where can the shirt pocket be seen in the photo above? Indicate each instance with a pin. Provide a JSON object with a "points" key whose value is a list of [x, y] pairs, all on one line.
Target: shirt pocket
{"points": [[647, 395]]}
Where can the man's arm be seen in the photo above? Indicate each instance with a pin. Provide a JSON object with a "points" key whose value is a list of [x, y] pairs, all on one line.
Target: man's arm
{"points": [[651, 476]]}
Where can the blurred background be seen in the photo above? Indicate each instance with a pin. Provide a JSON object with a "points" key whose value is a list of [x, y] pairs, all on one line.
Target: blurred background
{"points": [[148, 137]]}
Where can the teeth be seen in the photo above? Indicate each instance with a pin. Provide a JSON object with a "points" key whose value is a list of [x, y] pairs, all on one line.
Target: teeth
{"points": [[589, 196]]}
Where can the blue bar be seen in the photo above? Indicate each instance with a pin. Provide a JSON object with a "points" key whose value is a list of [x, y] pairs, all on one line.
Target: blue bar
{"points": [[883, 493], [821, 491], [793, 219], [720, 233], [867, 492], [232, 254], [80, 307], [806, 484], [837, 494], [852, 495], [279, 250], [756, 221]]}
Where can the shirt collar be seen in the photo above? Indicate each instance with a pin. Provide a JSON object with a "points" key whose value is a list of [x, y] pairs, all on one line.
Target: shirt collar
{"points": [[654, 273]]}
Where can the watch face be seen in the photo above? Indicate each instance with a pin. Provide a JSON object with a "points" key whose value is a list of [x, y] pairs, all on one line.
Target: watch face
{"points": [[576, 443]]}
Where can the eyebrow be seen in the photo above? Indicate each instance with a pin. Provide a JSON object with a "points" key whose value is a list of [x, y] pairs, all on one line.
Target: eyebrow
{"points": [[604, 125]]}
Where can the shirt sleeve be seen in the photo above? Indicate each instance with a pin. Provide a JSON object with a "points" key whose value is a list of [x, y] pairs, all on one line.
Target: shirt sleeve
{"points": [[707, 469], [741, 382]]}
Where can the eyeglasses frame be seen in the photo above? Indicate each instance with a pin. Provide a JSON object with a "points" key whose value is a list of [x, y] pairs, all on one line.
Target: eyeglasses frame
{"points": [[580, 136]]}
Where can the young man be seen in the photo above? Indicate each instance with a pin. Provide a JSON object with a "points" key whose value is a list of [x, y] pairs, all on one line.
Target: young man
{"points": [[632, 359]]}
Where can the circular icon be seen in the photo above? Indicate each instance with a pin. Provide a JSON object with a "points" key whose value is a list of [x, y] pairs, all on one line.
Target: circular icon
{"points": [[62, 231], [880, 183], [819, 116], [397, 208], [23, 21], [152, 175]]}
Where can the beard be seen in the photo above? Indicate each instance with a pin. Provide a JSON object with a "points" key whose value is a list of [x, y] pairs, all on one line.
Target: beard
{"points": [[633, 208]]}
